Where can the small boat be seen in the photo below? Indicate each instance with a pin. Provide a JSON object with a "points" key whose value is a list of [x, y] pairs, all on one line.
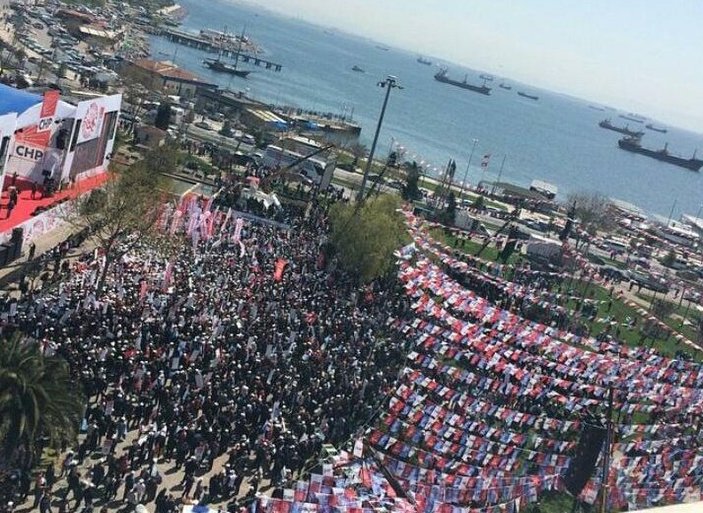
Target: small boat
{"points": [[358, 69], [220, 67], [656, 129], [526, 95], [487, 77], [505, 86], [381, 47], [594, 107], [424, 61]]}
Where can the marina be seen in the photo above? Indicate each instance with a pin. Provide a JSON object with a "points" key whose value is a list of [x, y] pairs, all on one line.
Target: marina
{"points": [[215, 46]]}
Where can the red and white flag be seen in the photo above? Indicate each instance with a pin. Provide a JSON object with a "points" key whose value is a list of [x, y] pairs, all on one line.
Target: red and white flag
{"points": [[238, 229], [168, 275]]}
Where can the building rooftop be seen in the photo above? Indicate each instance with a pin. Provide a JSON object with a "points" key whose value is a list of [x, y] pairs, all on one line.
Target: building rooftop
{"points": [[16, 100], [97, 32], [167, 69]]}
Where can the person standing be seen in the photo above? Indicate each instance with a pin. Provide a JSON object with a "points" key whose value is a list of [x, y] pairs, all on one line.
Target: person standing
{"points": [[45, 503], [10, 207]]}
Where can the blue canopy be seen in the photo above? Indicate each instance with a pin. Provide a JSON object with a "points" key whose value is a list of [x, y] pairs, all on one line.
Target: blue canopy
{"points": [[15, 100]]}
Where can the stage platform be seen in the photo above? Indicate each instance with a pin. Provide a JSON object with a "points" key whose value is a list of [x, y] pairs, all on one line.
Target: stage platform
{"points": [[22, 214]]}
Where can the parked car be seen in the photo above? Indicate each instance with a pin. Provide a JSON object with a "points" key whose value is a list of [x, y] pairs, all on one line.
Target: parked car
{"points": [[247, 139], [203, 125]]}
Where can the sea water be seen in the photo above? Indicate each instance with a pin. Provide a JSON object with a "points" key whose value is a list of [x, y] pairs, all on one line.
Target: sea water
{"points": [[556, 139]]}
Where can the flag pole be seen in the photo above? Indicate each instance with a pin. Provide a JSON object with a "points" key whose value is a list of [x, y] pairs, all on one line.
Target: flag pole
{"points": [[500, 173]]}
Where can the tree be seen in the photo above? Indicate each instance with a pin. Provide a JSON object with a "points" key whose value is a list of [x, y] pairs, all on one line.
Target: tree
{"points": [[163, 159], [125, 210], [480, 202], [163, 116], [592, 210], [358, 151], [365, 237], [38, 397], [449, 215], [411, 190], [226, 128], [669, 258]]}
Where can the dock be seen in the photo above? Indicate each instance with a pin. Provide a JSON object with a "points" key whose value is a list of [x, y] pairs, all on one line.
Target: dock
{"points": [[195, 41]]}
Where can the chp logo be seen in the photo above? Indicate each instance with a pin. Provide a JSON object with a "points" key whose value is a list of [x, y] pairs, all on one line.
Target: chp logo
{"points": [[91, 122], [45, 124]]}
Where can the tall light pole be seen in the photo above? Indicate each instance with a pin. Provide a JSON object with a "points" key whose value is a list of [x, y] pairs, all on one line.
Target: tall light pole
{"points": [[389, 83], [466, 173], [500, 173]]}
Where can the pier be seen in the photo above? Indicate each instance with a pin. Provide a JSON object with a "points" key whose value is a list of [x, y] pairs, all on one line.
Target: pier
{"points": [[195, 41]]}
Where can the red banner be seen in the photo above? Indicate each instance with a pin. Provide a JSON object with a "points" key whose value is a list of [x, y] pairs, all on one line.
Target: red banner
{"points": [[279, 268]]}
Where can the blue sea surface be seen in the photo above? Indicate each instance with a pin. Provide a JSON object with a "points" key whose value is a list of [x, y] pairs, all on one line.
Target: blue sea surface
{"points": [[556, 139]]}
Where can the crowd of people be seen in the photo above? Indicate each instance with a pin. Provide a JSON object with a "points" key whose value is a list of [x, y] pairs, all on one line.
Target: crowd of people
{"points": [[212, 373]]}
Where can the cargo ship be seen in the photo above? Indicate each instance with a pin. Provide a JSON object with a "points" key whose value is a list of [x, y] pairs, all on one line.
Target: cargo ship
{"points": [[633, 145], [526, 95], [623, 130], [633, 117], [441, 76], [657, 129]]}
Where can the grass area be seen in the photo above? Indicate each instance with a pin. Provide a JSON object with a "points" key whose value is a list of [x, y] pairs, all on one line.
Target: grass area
{"points": [[679, 312], [203, 165], [470, 247], [618, 311]]}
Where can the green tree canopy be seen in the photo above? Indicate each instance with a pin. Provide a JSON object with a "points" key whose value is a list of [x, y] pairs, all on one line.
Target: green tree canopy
{"points": [[449, 215], [38, 397], [365, 237], [411, 190], [126, 209]]}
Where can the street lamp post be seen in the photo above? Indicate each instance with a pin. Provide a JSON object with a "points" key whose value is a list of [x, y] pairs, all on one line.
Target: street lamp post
{"points": [[466, 173], [389, 83]]}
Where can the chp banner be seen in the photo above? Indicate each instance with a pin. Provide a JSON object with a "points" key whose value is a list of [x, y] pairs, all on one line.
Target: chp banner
{"points": [[31, 156]]}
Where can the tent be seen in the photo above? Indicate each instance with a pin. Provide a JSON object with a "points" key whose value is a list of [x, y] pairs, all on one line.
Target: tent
{"points": [[16, 100]]}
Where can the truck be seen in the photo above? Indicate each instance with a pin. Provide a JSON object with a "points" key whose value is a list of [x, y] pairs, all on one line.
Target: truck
{"points": [[317, 171], [464, 221]]}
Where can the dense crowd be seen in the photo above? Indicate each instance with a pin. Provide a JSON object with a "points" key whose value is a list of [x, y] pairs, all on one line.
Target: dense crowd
{"points": [[228, 365]]}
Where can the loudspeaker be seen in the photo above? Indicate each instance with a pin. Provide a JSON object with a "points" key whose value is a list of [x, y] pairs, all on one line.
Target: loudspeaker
{"points": [[16, 243], [16, 251], [5, 250], [584, 460]]}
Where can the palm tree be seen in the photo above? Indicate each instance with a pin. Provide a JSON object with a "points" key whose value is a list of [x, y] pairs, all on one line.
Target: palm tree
{"points": [[38, 397]]}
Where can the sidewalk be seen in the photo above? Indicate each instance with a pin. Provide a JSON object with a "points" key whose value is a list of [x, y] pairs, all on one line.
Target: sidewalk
{"points": [[8, 280]]}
